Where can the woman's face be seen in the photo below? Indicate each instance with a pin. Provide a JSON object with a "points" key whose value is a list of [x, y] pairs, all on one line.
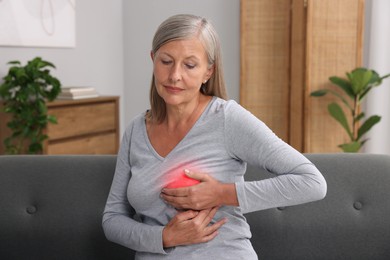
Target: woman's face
{"points": [[180, 68]]}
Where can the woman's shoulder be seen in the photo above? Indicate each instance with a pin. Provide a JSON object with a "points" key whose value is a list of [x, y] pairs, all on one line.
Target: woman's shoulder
{"points": [[233, 112], [137, 122], [226, 107]]}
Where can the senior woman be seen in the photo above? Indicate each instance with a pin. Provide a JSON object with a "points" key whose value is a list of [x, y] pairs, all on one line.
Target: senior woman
{"points": [[179, 190]]}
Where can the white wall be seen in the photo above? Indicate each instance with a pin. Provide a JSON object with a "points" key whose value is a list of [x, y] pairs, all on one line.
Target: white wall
{"points": [[141, 19], [377, 57], [97, 59]]}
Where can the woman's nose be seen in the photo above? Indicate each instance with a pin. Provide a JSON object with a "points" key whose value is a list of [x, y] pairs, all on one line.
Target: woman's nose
{"points": [[175, 73]]}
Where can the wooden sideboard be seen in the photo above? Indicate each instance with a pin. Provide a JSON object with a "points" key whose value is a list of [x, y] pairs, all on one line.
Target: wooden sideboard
{"points": [[85, 126]]}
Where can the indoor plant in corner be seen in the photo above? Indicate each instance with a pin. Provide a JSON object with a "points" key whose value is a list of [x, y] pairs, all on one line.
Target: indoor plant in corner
{"points": [[24, 92], [358, 83]]}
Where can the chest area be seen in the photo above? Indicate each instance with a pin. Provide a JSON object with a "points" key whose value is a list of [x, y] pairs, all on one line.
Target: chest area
{"points": [[164, 141]]}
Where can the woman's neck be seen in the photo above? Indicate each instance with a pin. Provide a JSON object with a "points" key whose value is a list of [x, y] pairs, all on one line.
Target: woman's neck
{"points": [[186, 114]]}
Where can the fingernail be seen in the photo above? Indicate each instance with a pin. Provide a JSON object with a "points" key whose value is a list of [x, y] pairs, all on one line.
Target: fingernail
{"points": [[186, 171]]}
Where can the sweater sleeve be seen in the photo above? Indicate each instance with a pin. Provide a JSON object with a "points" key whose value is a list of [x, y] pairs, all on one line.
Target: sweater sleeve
{"points": [[296, 179], [118, 222]]}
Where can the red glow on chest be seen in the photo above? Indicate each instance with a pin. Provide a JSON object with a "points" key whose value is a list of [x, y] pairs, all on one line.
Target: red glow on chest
{"points": [[181, 181]]}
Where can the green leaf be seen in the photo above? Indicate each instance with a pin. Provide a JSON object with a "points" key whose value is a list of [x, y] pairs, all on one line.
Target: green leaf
{"points": [[52, 119], [343, 84], [370, 122], [359, 117], [360, 78], [337, 113], [35, 148], [42, 107], [364, 93], [319, 93], [14, 62], [46, 64], [352, 147], [375, 79], [322, 92]]}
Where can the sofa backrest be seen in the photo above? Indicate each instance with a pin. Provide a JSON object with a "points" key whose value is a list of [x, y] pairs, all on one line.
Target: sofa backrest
{"points": [[352, 222], [51, 206]]}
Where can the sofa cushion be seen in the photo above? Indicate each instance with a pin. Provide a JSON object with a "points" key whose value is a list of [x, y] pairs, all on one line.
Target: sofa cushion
{"points": [[352, 222], [51, 207]]}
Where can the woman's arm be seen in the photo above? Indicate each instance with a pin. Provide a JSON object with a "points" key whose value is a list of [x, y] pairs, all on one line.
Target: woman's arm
{"points": [[296, 179], [118, 223], [248, 139]]}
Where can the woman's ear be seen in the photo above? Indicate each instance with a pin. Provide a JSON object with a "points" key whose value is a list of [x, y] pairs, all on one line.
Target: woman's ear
{"points": [[152, 55], [209, 72]]}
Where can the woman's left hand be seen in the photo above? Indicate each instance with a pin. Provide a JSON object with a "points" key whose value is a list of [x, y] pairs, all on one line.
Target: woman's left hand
{"points": [[208, 193]]}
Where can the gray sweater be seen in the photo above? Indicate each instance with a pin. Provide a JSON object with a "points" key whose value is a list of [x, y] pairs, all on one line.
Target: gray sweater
{"points": [[224, 139]]}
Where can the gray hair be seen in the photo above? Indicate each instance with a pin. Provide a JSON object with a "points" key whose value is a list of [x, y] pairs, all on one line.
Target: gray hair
{"points": [[184, 26]]}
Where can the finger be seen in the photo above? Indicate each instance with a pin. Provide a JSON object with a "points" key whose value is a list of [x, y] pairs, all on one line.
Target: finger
{"points": [[202, 177], [205, 216], [177, 192], [202, 215], [209, 237], [209, 217], [214, 227], [177, 202], [186, 215]]}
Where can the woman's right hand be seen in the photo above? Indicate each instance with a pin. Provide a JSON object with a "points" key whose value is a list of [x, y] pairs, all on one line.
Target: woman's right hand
{"points": [[191, 227]]}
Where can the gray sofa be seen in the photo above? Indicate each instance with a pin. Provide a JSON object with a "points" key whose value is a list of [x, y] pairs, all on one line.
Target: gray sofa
{"points": [[51, 206]]}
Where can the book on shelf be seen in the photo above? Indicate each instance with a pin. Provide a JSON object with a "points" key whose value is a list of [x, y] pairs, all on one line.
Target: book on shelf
{"points": [[77, 93]]}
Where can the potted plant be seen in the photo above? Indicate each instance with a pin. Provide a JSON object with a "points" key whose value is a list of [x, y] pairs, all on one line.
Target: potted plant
{"points": [[24, 93], [356, 86]]}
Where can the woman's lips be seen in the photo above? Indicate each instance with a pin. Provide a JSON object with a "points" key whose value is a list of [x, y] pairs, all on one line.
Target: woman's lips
{"points": [[173, 89]]}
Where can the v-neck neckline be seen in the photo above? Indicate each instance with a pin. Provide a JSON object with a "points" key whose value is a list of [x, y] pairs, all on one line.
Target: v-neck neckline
{"points": [[151, 147]]}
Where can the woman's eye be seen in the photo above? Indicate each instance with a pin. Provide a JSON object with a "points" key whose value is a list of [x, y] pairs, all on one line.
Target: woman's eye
{"points": [[166, 62], [190, 66]]}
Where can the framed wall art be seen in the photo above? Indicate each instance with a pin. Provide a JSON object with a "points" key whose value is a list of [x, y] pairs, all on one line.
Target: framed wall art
{"points": [[38, 23]]}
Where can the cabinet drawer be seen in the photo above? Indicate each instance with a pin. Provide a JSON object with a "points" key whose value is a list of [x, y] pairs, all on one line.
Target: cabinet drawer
{"points": [[81, 119], [94, 144]]}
